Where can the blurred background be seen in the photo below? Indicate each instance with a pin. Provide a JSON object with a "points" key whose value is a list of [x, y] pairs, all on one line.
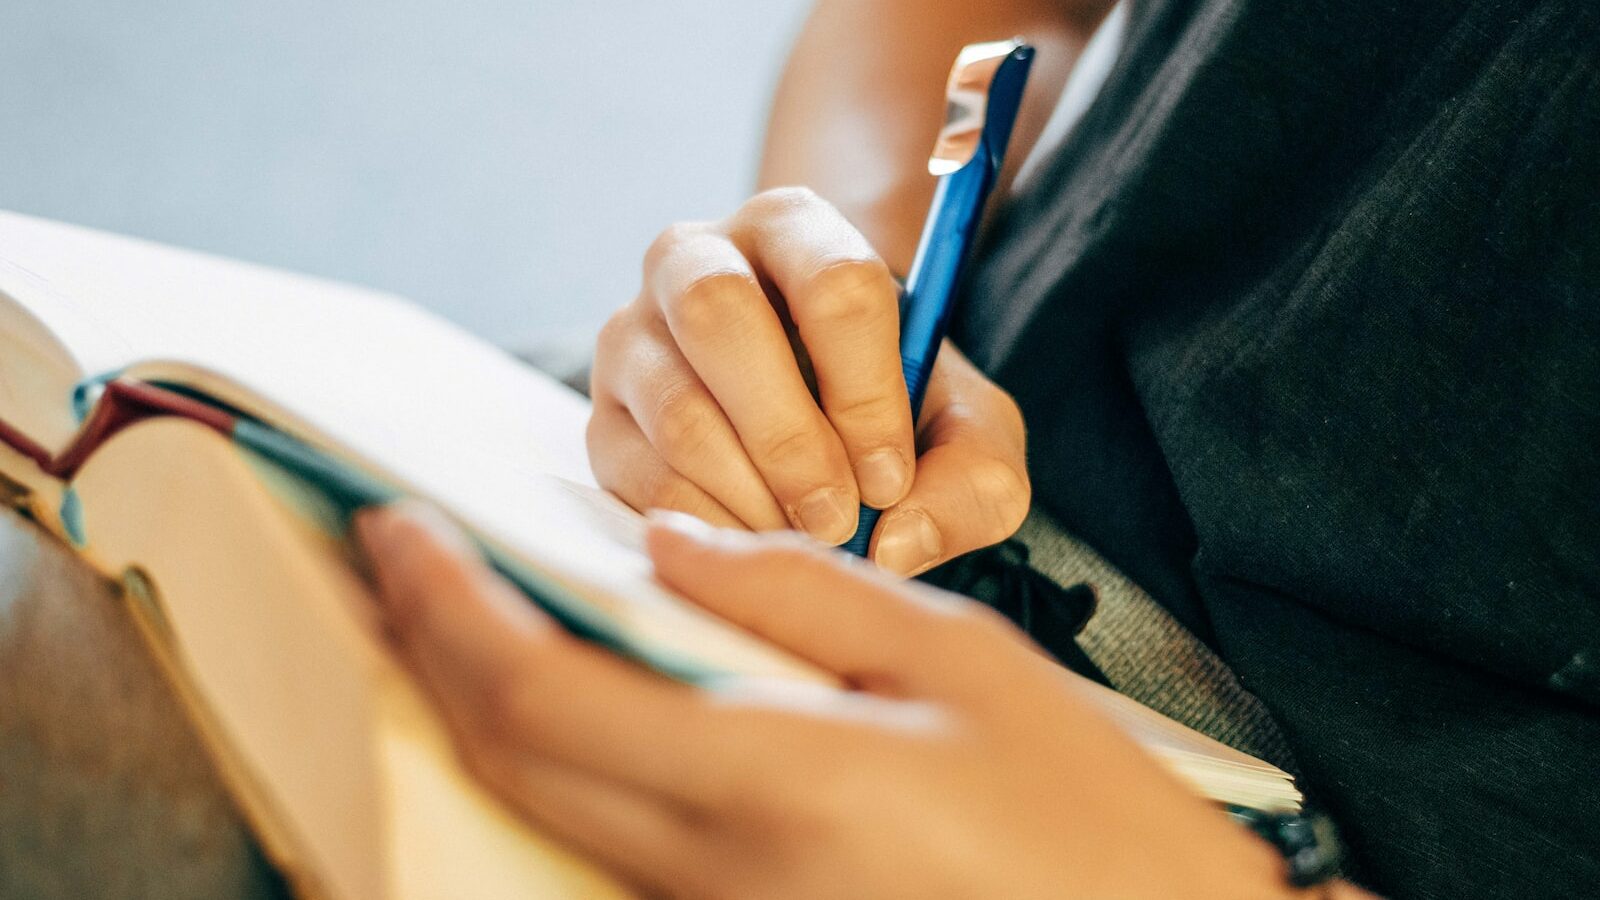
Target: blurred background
{"points": [[504, 162]]}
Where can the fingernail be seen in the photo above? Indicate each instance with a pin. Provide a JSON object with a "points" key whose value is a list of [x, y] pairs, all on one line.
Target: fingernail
{"points": [[369, 526], [908, 542], [382, 533], [883, 477], [827, 514], [385, 531], [378, 528]]}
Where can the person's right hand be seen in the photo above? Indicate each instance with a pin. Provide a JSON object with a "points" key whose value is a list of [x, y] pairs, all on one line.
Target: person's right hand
{"points": [[755, 382]]}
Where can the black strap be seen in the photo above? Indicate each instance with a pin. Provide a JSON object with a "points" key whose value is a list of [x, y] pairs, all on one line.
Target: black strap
{"points": [[1000, 577], [1310, 848]]}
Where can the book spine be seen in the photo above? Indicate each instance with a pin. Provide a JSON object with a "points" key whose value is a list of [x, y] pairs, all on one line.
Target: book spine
{"points": [[121, 404], [24, 445]]}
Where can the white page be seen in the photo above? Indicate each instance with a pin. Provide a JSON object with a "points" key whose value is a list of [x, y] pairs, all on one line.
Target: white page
{"points": [[361, 367], [381, 383]]}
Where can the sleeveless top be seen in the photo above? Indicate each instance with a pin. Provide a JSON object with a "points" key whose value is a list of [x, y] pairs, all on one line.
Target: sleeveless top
{"points": [[1304, 317]]}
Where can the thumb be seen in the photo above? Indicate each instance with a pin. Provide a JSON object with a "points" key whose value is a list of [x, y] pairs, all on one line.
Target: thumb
{"points": [[873, 630], [971, 486]]}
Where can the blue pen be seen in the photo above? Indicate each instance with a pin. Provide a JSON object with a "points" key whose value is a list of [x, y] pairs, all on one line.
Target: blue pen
{"points": [[981, 103]]}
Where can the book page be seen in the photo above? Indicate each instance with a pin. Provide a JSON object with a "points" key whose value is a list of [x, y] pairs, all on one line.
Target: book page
{"points": [[38, 367], [265, 628], [364, 369], [390, 389], [402, 394]]}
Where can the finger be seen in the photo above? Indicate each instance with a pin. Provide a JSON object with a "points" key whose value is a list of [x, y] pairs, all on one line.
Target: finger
{"points": [[638, 366], [634, 835], [846, 307], [501, 672], [626, 464], [874, 630], [728, 331], [971, 488]]}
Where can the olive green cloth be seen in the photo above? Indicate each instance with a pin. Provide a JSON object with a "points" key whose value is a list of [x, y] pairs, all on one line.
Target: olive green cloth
{"points": [[1147, 655]]}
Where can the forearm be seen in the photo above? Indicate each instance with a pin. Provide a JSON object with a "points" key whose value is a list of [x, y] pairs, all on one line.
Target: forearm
{"points": [[862, 98]]}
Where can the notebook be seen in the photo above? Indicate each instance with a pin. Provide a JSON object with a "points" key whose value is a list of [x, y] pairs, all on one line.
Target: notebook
{"points": [[185, 424]]}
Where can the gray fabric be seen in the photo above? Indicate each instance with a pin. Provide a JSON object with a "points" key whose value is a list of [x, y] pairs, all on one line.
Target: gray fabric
{"points": [[1147, 655], [104, 790]]}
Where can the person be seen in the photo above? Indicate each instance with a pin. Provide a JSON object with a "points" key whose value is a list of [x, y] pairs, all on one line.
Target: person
{"points": [[1301, 318]]}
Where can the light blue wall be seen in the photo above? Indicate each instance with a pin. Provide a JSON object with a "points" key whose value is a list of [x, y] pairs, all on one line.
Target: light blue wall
{"points": [[503, 161]]}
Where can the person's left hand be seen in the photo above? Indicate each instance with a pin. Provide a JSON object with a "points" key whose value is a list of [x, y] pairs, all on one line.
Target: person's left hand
{"points": [[958, 761]]}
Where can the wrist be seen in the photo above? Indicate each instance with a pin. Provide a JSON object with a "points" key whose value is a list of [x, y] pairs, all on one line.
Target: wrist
{"points": [[1235, 862], [1291, 857], [1257, 871], [1306, 843]]}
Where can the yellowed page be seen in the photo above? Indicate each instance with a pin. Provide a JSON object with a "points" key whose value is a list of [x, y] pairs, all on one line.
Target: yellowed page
{"points": [[271, 633]]}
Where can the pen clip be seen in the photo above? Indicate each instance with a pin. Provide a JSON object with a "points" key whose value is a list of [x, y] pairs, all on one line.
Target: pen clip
{"points": [[985, 87]]}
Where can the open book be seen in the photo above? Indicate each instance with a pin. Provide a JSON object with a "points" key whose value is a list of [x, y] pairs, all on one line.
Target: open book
{"points": [[129, 373]]}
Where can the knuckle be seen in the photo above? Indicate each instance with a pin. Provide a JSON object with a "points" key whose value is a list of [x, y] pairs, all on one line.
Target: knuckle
{"points": [[1003, 493], [665, 491], [818, 817], [614, 335], [712, 301], [488, 762], [624, 340], [754, 783], [750, 781], [779, 201], [681, 424], [506, 717], [671, 239], [1007, 410], [482, 759], [850, 291], [669, 490], [882, 412], [786, 444]]}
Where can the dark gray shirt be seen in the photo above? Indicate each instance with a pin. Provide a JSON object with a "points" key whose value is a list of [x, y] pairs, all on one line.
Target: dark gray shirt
{"points": [[1305, 321]]}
